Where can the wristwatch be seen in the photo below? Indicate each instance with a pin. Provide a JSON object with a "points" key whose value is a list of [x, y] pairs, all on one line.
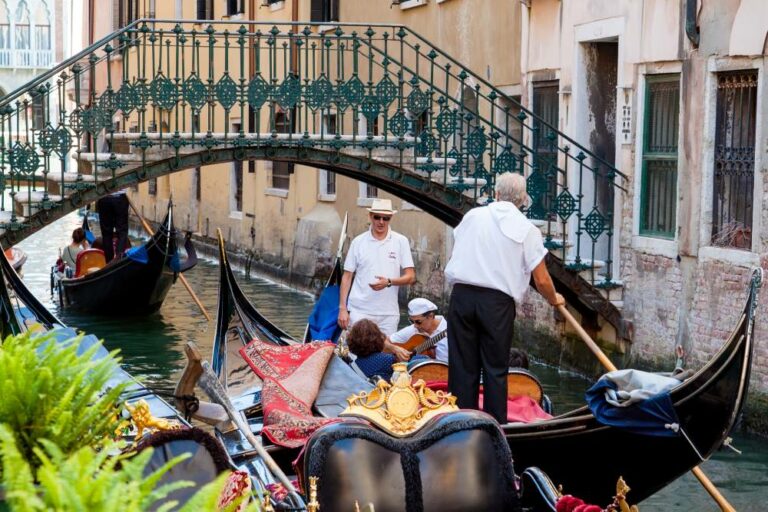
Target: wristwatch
{"points": [[389, 282]]}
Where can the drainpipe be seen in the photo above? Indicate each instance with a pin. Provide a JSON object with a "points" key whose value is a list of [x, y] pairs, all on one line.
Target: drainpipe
{"points": [[295, 30], [691, 29]]}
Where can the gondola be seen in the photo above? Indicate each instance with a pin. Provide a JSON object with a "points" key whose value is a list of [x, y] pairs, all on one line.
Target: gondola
{"points": [[17, 258], [135, 284], [707, 404], [20, 311]]}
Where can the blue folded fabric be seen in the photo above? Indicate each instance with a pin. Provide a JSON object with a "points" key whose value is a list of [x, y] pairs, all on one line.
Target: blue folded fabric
{"points": [[138, 254]]}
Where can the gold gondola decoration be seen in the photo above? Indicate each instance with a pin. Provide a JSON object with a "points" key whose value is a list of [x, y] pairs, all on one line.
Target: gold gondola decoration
{"points": [[620, 499], [400, 407], [142, 419], [313, 505]]}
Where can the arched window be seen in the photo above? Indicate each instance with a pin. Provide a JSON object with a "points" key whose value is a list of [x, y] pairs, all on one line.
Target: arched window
{"points": [[23, 36], [42, 27], [5, 35]]}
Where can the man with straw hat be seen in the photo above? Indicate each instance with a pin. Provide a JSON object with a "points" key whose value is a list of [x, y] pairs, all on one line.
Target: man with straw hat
{"points": [[379, 261]]}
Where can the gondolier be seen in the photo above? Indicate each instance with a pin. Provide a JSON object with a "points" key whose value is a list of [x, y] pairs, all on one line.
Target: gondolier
{"points": [[113, 221], [495, 252]]}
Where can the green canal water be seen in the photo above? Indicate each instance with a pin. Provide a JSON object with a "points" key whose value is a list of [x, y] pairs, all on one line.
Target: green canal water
{"points": [[152, 348]]}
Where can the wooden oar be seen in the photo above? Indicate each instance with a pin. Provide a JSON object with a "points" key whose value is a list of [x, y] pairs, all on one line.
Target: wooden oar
{"points": [[212, 386], [697, 472], [183, 279]]}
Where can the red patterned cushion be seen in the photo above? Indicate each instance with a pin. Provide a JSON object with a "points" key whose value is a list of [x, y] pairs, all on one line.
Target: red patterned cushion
{"points": [[238, 485], [292, 376]]}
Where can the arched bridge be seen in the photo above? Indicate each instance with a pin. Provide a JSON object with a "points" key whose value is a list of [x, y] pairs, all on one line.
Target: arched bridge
{"points": [[376, 103]]}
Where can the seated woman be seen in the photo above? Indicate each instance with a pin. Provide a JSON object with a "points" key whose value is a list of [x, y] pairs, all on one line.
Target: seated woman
{"points": [[78, 244], [366, 341]]}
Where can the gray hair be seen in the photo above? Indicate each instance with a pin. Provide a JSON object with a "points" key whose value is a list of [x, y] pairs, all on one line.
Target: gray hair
{"points": [[511, 187]]}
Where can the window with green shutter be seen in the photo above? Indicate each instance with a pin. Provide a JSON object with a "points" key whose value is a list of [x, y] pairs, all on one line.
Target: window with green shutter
{"points": [[658, 203]]}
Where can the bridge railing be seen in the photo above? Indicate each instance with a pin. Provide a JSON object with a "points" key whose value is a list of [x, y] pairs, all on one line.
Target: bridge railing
{"points": [[157, 89]]}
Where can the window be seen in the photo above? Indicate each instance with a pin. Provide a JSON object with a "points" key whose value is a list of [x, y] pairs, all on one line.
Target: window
{"points": [[237, 178], [22, 28], [281, 171], [204, 9], [235, 7], [371, 190], [38, 111], [658, 196], [327, 183], [546, 108], [126, 12], [734, 171], [152, 186], [324, 10]]}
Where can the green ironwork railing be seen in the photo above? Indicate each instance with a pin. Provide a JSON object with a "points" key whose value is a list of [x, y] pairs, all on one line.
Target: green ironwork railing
{"points": [[160, 89]]}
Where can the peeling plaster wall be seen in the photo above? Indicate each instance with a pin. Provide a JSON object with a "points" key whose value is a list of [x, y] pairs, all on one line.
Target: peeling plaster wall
{"points": [[680, 291]]}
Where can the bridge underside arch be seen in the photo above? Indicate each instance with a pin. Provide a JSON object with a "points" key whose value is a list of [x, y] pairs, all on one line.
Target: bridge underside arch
{"points": [[446, 203]]}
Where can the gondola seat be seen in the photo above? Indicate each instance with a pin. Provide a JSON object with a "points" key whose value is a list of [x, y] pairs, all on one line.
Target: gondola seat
{"points": [[458, 461], [89, 260], [520, 382], [208, 459]]}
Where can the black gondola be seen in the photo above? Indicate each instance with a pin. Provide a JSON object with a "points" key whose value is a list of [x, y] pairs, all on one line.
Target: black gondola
{"points": [[130, 285], [20, 311], [238, 322], [707, 404]]}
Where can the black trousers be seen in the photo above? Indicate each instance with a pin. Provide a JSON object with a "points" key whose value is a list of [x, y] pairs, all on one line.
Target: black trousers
{"points": [[480, 327], [113, 219]]}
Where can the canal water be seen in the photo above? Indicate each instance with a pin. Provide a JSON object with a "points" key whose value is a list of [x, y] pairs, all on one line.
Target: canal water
{"points": [[152, 348]]}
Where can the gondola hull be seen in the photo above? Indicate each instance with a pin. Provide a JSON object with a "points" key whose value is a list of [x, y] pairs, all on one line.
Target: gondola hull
{"points": [[123, 288], [130, 286], [579, 453]]}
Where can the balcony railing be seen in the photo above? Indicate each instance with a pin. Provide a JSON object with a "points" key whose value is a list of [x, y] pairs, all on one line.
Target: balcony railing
{"points": [[32, 59]]}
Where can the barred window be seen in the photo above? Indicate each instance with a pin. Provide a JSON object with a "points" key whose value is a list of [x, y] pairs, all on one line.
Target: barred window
{"points": [[658, 197], [734, 172]]}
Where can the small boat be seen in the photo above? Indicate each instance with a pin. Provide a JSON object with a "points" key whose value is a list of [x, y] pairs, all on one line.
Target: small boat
{"points": [[707, 404], [135, 284], [16, 257]]}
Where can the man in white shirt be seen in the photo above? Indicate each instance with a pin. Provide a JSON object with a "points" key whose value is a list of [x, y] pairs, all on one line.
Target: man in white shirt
{"points": [[425, 321], [379, 261], [496, 251]]}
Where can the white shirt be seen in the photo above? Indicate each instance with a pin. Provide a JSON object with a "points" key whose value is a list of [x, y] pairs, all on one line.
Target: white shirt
{"points": [[441, 349], [368, 258], [496, 247]]}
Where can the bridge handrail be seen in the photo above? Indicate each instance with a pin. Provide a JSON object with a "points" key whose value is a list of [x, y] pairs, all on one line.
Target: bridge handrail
{"points": [[84, 53]]}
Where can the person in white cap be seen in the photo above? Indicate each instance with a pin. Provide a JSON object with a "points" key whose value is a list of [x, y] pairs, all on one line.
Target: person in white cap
{"points": [[495, 252], [425, 322], [379, 261]]}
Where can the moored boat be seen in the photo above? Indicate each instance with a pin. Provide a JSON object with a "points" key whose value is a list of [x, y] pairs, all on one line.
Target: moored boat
{"points": [[707, 405], [135, 284]]}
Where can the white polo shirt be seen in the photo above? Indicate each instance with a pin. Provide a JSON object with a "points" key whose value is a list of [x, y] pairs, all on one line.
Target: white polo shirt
{"points": [[496, 247], [441, 349], [368, 258]]}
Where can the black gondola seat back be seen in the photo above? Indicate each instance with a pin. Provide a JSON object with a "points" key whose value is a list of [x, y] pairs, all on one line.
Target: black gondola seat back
{"points": [[458, 461]]}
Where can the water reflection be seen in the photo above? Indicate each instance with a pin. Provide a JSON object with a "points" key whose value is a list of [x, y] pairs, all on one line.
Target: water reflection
{"points": [[152, 347]]}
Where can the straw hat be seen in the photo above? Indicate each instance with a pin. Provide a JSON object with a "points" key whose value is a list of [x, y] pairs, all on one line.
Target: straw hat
{"points": [[382, 206]]}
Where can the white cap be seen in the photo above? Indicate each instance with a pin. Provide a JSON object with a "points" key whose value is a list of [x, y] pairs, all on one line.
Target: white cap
{"points": [[420, 306]]}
